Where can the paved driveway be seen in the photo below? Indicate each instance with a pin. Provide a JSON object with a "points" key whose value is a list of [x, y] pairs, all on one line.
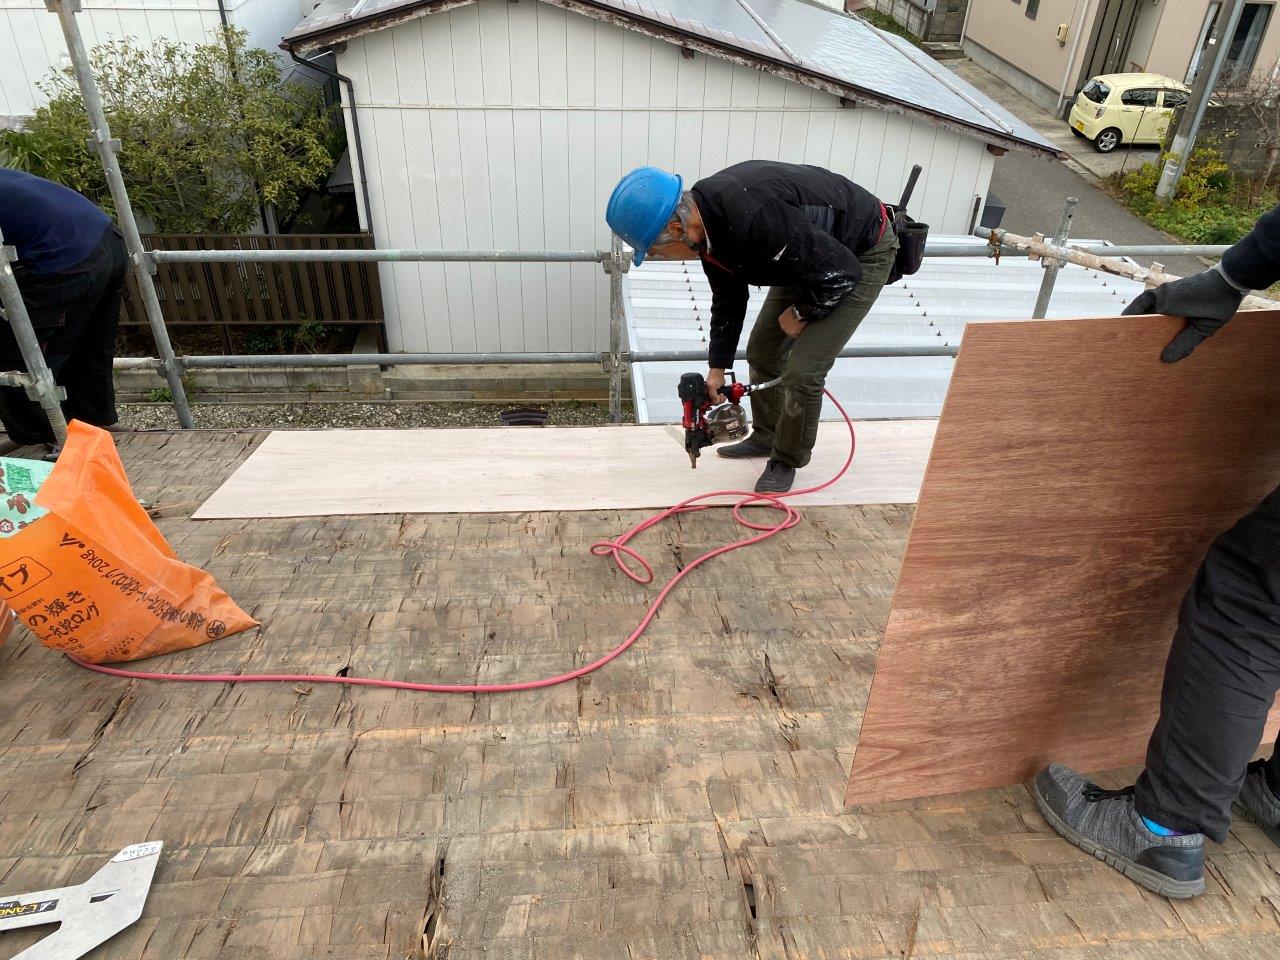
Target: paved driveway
{"points": [[1057, 132], [1034, 188]]}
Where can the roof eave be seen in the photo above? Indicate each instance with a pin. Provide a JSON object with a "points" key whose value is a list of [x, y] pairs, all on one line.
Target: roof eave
{"points": [[332, 36]]}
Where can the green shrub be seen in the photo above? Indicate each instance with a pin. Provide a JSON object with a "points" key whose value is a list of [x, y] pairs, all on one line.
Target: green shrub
{"points": [[205, 130], [308, 336], [1210, 205]]}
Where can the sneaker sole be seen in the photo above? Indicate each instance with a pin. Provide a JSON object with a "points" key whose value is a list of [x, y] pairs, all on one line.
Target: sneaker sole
{"points": [[743, 456], [1143, 876], [1273, 833]]}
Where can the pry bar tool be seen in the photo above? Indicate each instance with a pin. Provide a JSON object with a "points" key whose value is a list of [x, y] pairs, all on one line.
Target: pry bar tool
{"points": [[706, 423], [91, 913]]}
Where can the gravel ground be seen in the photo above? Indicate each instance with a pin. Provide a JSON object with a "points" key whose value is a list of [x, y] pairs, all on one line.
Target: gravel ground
{"points": [[240, 416]]}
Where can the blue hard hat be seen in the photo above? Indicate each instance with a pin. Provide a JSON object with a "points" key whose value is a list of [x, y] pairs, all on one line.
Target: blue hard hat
{"points": [[640, 206]]}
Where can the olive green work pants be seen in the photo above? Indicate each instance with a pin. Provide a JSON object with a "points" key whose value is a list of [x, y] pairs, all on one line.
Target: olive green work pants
{"points": [[787, 415]]}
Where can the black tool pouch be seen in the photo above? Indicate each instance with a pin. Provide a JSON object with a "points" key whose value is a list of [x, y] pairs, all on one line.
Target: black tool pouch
{"points": [[911, 235]]}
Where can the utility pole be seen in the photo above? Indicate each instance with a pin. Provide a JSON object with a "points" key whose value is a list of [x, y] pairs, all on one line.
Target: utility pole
{"points": [[1215, 55]]}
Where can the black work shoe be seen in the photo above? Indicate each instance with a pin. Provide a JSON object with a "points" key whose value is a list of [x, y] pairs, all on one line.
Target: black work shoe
{"points": [[1258, 802], [1105, 824], [750, 447], [777, 478]]}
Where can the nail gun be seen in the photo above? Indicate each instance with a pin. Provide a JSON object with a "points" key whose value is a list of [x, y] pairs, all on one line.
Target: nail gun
{"points": [[706, 423]]}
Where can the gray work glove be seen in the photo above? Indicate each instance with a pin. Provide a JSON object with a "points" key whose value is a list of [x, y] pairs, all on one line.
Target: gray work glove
{"points": [[1207, 301]]}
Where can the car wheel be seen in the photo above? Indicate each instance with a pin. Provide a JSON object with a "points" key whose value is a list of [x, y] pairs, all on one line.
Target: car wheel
{"points": [[1107, 140]]}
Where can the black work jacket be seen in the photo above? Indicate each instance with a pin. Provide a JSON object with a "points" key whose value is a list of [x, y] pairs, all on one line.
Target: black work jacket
{"points": [[1254, 262], [781, 224]]}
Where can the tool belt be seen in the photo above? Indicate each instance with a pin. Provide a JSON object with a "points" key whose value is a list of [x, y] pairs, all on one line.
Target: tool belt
{"points": [[911, 235]]}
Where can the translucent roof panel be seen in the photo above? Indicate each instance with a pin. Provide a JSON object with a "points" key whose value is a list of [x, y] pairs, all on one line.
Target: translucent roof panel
{"points": [[668, 307]]}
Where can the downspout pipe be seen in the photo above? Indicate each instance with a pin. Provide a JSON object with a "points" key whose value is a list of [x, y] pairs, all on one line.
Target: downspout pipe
{"points": [[355, 127], [1063, 96]]}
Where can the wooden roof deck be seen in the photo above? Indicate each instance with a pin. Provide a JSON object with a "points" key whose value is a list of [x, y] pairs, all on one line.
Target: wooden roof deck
{"points": [[684, 802]]}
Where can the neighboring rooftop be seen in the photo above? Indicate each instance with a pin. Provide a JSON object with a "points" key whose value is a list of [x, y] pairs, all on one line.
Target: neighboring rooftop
{"points": [[823, 48]]}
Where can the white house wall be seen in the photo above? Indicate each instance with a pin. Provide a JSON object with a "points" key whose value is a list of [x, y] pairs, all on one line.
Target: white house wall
{"points": [[506, 125], [31, 43]]}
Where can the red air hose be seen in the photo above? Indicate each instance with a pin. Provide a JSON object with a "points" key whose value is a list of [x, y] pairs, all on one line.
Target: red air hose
{"points": [[618, 549]]}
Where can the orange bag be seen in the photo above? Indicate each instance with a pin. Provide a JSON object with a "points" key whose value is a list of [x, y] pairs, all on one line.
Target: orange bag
{"points": [[94, 577]]}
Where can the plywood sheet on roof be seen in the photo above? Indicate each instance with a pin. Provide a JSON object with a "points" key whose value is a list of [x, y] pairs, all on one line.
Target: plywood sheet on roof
{"points": [[1074, 485], [518, 469]]}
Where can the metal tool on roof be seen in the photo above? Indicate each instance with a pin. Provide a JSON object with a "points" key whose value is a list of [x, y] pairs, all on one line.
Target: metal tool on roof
{"points": [[706, 423], [91, 913]]}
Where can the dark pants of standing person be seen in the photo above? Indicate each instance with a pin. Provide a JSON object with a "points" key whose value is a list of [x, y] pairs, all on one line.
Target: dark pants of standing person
{"points": [[75, 313], [787, 416], [1220, 681]]}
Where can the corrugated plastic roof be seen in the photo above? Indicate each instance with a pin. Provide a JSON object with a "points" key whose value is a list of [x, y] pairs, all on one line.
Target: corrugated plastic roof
{"points": [[826, 44], [668, 308]]}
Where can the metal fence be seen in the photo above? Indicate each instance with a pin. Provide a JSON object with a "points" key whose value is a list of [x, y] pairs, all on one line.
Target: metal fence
{"points": [[252, 260]]}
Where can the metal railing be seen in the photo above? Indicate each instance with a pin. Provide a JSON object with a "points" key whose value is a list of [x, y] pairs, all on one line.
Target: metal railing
{"points": [[41, 386]]}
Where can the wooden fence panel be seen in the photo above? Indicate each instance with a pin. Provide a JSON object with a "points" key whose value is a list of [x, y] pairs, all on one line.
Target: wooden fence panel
{"points": [[234, 294]]}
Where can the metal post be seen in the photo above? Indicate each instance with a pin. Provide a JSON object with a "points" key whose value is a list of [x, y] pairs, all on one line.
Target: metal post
{"points": [[1051, 267], [616, 266], [107, 147], [1224, 28], [39, 382]]}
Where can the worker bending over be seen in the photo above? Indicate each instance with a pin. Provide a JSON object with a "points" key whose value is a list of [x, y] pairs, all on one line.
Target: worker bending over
{"points": [[1223, 669], [70, 270], [822, 244]]}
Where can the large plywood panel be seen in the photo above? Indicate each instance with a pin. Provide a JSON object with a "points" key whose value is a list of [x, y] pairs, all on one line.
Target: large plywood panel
{"points": [[1074, 485], [297, 473]]}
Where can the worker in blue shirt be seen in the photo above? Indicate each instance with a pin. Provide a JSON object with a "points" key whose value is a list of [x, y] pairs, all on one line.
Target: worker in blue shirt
{"points": [[70, 270], [1223, 670]]}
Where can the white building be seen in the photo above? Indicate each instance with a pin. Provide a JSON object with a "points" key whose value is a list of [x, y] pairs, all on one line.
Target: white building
{"points": [[504, 124], [32, 46]]}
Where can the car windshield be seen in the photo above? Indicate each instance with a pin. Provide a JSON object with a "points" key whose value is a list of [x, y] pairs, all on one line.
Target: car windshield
{"points": [[1097, 91]]}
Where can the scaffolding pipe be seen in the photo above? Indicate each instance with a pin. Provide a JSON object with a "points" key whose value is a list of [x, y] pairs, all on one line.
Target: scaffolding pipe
{"points": [[1052, 266], [380, 360], [662, 356], [38, 380], [616, 267], [358, 256], [1040, 248], [481, 359], [106, 148], [932, 249]]}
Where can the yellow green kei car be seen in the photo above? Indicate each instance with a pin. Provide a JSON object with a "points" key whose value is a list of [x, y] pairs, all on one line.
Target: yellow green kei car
{"points": [[1128, 108]]}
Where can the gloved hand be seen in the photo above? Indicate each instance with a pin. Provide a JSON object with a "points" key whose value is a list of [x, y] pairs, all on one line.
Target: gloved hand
{"points": [[1206, 300]]}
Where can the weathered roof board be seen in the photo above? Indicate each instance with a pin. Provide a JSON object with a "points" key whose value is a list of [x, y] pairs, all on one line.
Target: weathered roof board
{"points": [[668, 307], [825, 43], [684, 802]]}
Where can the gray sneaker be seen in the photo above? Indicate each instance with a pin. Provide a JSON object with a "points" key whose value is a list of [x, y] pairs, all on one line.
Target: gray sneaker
{"points": [[1105, 824], [1258, 803], [777, 478], [750, 447]]}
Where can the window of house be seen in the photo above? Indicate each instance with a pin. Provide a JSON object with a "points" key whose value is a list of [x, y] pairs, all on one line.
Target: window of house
{"points": [[1033, 7], [1242, 51], [1139, 98]]}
